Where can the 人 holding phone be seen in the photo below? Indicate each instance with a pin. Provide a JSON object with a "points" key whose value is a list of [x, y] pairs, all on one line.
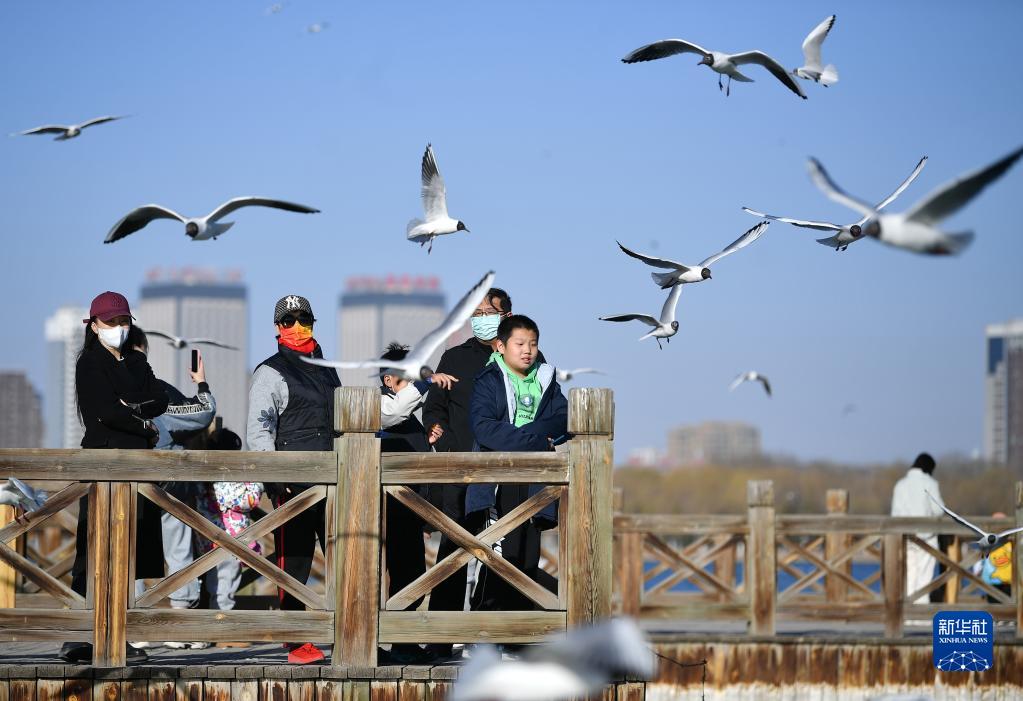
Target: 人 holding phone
{"points": [[197, 370]]}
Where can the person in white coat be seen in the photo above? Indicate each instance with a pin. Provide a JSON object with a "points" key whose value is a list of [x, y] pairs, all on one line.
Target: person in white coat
{"points": [[910, 498]]}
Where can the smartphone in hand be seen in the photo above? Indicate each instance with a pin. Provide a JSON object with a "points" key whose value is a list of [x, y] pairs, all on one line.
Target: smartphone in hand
{"points": [[195, 360]]}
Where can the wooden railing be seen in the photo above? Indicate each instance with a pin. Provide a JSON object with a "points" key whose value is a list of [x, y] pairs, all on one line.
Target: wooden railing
{"points": [[687, 566], [349, 612]]}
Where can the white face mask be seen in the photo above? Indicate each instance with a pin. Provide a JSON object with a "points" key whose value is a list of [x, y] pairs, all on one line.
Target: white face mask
{"points": [[114, 337]]}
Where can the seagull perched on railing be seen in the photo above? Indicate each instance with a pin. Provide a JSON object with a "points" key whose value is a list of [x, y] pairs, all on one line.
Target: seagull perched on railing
{"points": [[719, 62], [844, 233], [987, 541], [178, 342], [917, 229], [66, 132], [413, 366], [681, 273], [577, 666], [812, 68], [197, 228]]}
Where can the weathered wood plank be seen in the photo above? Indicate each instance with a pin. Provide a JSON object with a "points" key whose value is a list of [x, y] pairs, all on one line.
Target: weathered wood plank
{"points": [[760, 557], [245, 690], [188, 689], [54, 505], [480, 550], [591, 411], [135, 690], [358, 532], [672, 606], [589, 529], [121, 523], [50, 690], [631, 573], [894, 583], [22, 689], [309, 467], [453, 562], [836, 502], [230, 626], [469, 627], [216, 690], [383, 691], [80, 689], [680, 524], [357, 409], [44, 580], [98, 574], [469, 468], [8, 574], [106, 690], [254, 531], [273, 688], [326, 690], [45, 619], [563, 557], [199, 524]]}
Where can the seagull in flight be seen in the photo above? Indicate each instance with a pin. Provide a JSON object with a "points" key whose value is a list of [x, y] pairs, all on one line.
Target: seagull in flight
{"points": [[177, 342], [844, 233], [720, 63], [681, 273], [917, 229], [413, 366], [66, 132], [986, 541], [812, 68], [197, 228], [567, 375], [435, 206], [664, 327], [751, 376], [576, 666]]}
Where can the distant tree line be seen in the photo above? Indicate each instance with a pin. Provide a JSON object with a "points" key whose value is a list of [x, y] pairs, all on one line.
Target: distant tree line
{"points": [[967, 486]]}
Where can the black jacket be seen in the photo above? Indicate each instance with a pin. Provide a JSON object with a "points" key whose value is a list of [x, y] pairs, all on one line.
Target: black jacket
{"points": [[102, 382], [307, 423], [450, 408]]}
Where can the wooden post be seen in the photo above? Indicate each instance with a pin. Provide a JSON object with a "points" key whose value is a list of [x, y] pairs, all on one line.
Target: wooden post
{"points": [[631, 573], [1017, 566], [122, 522], [952, 585], [357, 525], [835, 543], [7, 572], [724, 568], [761, 573], [99, 573], [590, 523], [894, 578]]}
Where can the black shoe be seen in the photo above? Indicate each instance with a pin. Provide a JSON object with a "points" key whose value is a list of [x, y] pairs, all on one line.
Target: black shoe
{"points": [[442, 653], [76, 653]]}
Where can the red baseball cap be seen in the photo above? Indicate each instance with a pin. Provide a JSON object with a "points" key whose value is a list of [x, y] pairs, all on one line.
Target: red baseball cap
{"points": [[108, 305]]}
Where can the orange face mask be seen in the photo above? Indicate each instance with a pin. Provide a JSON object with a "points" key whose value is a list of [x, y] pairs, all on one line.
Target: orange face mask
{"points": [[298, 337]]}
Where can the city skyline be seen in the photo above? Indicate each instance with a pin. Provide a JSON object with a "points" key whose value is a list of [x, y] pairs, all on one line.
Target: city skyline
{"points": [[549, 155], [21, 412]]}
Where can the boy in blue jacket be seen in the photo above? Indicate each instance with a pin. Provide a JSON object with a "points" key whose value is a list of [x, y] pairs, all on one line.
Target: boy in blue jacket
{"points": [[517, 406]]}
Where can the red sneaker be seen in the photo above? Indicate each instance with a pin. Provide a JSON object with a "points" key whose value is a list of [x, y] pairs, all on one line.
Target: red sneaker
{"points": [[306, 654]]}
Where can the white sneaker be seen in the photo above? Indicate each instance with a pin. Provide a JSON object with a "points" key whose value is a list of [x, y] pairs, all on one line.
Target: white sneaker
{"points": [[187, 646], [142, 645]]}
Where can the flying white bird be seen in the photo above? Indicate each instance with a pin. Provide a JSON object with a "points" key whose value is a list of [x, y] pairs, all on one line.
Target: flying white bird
{"points": [[197, 228], [577, 666], [693, 273], [664, 327], [16, 493], [751, 376], [413, 366], [66, 132], [917, 229], [720, 63], [812, 68], [317, 27], [567, 375], [987, 541], [435, 207], [844, 233], [178, 342]]}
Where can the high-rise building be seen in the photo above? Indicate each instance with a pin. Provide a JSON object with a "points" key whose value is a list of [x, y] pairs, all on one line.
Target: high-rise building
{"points": [[199, 303], [1003, 387], [373, 312], [21, 415], [714, 442], [64, 335]]}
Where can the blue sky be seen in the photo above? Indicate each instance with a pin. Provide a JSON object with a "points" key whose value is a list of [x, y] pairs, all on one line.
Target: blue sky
{"points": [[551, 149]]}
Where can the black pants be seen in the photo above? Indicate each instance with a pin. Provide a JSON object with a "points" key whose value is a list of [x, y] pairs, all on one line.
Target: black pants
{"points": [[520, 548], [449, 595], [295, 542], [148, 544], [405, 548]]}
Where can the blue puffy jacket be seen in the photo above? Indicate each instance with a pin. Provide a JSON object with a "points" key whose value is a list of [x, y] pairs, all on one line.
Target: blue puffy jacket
{"points": [[491, 411]]}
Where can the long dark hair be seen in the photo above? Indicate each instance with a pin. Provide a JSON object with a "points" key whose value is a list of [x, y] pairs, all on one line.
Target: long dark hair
{"points": [[90, 341]]}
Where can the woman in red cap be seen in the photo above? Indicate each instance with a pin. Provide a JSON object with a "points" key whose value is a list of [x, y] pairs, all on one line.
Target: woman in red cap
{"points": [[117, 396]]}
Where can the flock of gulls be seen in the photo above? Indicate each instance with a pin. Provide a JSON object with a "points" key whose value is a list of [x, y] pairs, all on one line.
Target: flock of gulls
{"points": [[586, 661]]}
